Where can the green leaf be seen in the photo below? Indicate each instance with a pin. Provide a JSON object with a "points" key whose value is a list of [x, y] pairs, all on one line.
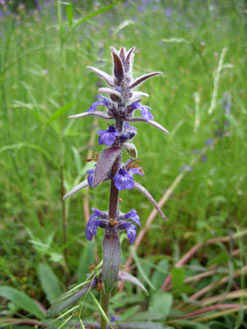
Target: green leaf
{"points": [[86, 259], [160, 273], [101, 310], [68, 299], [221, 258], [21, 300], [50, 282], [190, 324], [70, 14], [19, 146], [143, 325], [161, 303], [140, 269], [178, 278], [59, 112], [94, 13]]}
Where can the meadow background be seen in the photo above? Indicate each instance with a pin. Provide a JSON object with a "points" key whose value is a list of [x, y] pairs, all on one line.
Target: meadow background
{"points": [[199, 168]]}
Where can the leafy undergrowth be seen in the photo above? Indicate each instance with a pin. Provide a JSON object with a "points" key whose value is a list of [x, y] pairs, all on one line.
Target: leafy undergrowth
{"points": [[194, 268]]}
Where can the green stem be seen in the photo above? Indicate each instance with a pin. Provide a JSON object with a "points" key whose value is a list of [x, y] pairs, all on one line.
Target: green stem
{"points": [[105, 305]]}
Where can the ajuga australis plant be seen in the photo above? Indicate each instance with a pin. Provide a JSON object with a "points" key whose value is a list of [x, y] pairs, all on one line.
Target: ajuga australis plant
{"points": [[123, 107]]}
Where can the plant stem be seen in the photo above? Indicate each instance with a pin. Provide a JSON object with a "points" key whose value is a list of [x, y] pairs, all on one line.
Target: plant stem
{"points": [[113, 215], [105, 304]]}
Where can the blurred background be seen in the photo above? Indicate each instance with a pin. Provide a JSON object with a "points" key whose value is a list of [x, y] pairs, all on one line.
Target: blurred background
{"points": [[199, 168]]}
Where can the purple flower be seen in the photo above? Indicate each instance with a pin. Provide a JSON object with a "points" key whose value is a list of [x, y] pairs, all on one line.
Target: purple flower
{"points": [[132, 214], [130, 230], [128, 127], [90, 173], [114, 318], [123, 180], [104, 101], [108, 136], [209, 141], [146, 114], [168, 11], [129, 132], [94, 223]]}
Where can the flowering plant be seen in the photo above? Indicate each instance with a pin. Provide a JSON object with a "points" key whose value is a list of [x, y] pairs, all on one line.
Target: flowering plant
{"points": [[122, 103]]}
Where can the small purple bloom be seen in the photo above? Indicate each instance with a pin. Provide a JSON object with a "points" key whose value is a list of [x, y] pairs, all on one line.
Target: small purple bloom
{"points": [[146, 114], [168, 11], [114, 318], [132, 214], [141, 9], [94, 223], [123, 180], [108, 136], [130, 230], [104, 102], [90, 173], [128, 127], [209, 141], [135, 171]]}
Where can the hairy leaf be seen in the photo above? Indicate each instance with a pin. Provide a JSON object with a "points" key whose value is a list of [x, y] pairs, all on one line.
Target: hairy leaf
{"points": [[142, 189], [104, 165], [112, 258]]}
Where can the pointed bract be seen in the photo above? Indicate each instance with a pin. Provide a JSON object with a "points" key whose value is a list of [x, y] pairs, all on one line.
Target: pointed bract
{"points": [[118, 66], [142, 189], [76, 189], [151, 122], [104, 165], [128, 277], [103, 75], [87, 114], [122, 54], [114, 94], [142, 78], [129, 59]]}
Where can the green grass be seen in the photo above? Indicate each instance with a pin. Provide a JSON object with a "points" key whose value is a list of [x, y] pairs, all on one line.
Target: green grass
{"points": [[43, 69]]}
